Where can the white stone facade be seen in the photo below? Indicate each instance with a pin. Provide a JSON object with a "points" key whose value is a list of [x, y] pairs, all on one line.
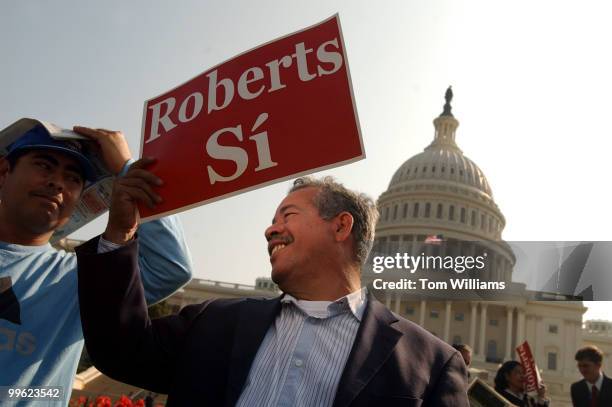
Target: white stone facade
{"points": [[442, 192]]}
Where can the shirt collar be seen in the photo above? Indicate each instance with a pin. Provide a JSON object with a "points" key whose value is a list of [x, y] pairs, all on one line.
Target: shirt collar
{"points": [[17, 248], [519, 395], [597, 383], [355, 302]]}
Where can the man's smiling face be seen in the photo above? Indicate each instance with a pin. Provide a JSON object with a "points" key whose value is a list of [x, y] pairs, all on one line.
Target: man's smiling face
{"points": [[40, 193], [299, 240]]}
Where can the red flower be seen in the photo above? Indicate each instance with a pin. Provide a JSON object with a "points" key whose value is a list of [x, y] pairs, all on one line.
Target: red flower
{"points": [[124, 401], [103, 401]]}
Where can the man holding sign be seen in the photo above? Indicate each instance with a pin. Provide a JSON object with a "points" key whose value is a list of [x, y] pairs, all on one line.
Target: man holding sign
{"points": [[280, 110], [325, 342], [41, 182]]}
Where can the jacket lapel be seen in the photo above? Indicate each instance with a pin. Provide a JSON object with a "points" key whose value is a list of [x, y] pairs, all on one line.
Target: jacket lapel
{"points": [[255, 318], [375, 341], [606, 389]]}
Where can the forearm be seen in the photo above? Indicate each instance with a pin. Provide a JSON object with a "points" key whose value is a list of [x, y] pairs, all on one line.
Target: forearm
{"points": [[113, 309], [120, 338], [164, 258]]}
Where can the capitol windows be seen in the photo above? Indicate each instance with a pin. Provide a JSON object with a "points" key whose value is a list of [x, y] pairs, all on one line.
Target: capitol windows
{"points": [[405, 211], [410, 310], [387, 213], [433, 168], [443, 169], [490, 224], [439, 211], [395, 212], [462, 215], [492, 352], [415, 210], [382, 245], [394, 244], [483, 221], [424, 169], [459, 316], [434, 314], [493, 322], [552, 360], [553, 329], [427, 209], [473, 221], [452, 170], [451, 213]]}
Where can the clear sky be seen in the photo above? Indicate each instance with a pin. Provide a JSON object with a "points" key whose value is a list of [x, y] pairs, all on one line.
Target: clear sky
{"points": [[531, 81]]}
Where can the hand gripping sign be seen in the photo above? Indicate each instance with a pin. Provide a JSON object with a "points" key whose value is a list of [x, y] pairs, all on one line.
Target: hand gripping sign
{"points": [[533, 380], [278, 111]]}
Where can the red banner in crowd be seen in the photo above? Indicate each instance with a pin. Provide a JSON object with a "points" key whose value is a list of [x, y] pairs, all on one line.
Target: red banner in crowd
{"points": [[278, 111], [533, 381]]}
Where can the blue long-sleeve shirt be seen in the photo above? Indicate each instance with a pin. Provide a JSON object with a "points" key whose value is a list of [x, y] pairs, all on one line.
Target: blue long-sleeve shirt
{"points": [[40, 326]]}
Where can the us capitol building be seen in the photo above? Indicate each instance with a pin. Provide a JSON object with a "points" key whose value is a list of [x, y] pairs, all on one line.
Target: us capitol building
{"points": [[441, 192]]}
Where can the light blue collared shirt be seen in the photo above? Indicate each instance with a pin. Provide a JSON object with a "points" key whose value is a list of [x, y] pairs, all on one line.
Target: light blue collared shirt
{"points": [[302, 357]]}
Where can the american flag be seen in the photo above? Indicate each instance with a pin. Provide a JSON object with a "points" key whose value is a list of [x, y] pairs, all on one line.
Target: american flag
{"points": [[434, 239]]}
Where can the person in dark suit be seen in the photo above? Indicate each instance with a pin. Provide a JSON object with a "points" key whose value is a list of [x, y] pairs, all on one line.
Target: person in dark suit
{"points": [[595, 390], [324, 342], [510, 383]]}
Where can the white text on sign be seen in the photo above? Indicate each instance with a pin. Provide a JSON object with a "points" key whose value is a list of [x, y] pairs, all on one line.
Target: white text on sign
{"points": [[237, 154], [328, 62]]}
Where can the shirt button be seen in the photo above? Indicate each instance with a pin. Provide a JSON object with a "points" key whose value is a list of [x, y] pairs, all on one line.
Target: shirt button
{"points": [[298, 362]]}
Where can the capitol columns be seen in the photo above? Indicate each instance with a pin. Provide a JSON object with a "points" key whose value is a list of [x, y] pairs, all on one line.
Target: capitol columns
{"points": [[398, 301], [509, 317], [472, 340], [520, 326], [447, 320], [483, 326], [422, 310]]}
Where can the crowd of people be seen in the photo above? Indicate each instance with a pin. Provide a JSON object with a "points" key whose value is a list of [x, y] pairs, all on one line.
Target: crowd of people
{"points": [[325, 341], [594, 390]]}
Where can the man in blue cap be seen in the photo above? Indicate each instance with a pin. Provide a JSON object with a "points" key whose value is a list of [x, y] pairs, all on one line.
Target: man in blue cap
{"points": [[41, 182]]}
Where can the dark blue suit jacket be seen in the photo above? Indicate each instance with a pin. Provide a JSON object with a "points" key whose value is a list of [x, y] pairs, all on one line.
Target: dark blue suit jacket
{"points": [[581, 397], [203, 355]]}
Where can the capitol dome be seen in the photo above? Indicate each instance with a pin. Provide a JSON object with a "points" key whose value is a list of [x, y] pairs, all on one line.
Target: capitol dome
{"points": [[443, 193], [441, 163]]}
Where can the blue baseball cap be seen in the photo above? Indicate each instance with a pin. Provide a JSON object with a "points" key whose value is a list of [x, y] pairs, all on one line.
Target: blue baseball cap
{"points": [[38, 138]]}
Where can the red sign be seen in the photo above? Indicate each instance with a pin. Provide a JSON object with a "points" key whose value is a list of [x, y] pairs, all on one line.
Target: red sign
{"points": [[278, 111], [533, 381]]}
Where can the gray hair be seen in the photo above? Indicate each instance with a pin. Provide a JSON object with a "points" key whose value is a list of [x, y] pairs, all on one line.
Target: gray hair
{"points": [[334, 198], [463, 346]]}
